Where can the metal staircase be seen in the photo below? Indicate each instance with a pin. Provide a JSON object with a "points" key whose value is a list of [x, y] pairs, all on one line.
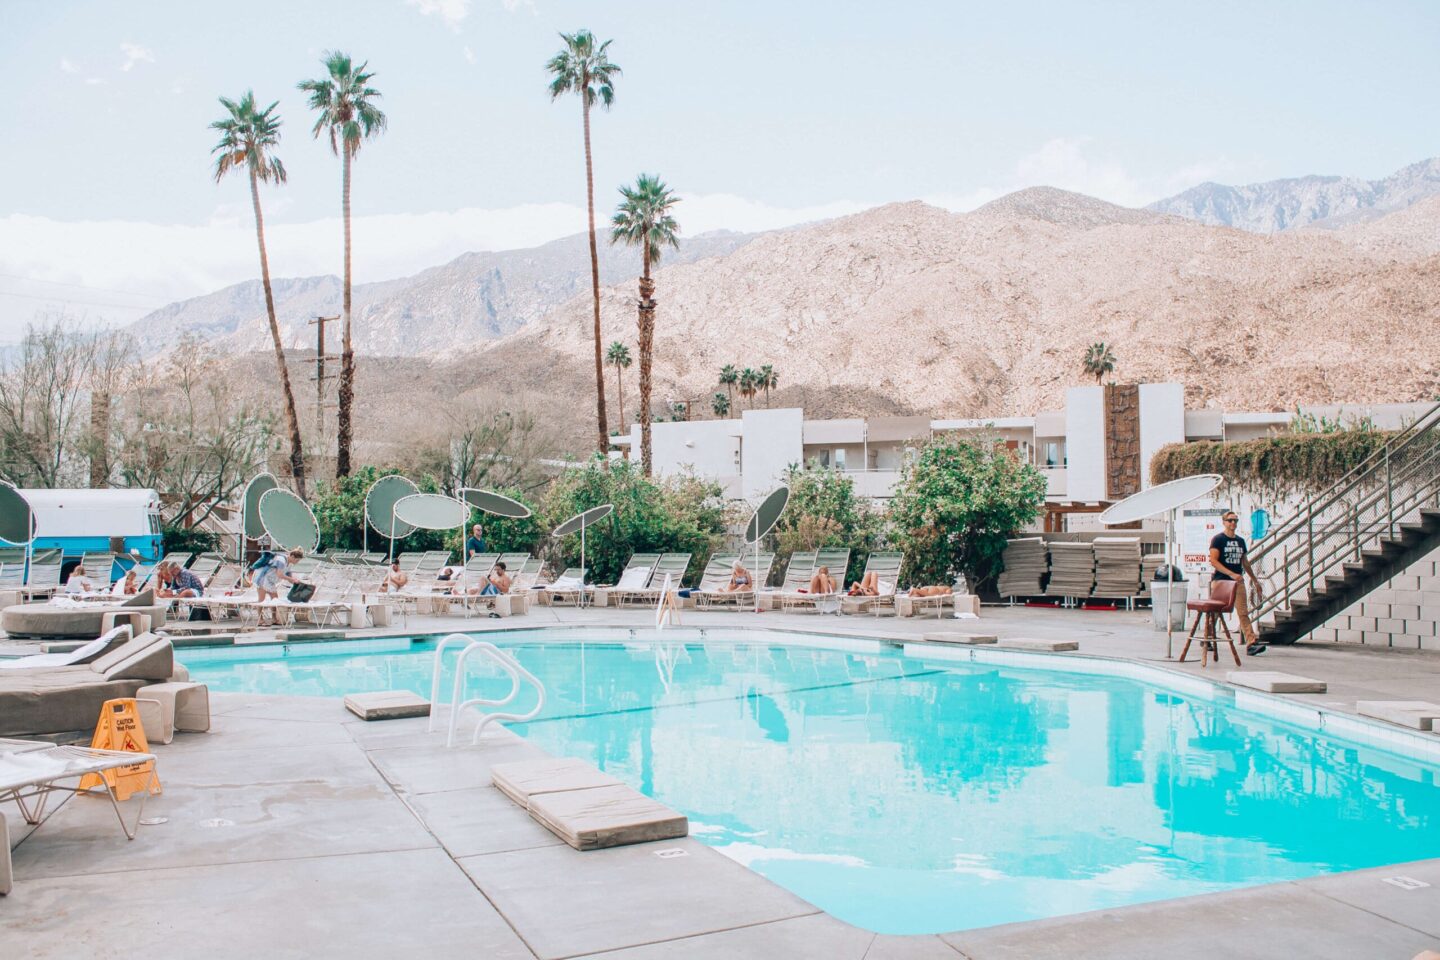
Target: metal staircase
{"points": [[1343, 543]]}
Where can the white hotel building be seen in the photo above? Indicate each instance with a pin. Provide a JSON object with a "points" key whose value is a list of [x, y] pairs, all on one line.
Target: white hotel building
{"points": [[749, 454]]}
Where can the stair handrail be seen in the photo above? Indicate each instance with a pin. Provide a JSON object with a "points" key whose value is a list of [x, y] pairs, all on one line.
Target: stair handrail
{"points": [[516, 672], [1376, 511], [1423, 424], [454, 639]]}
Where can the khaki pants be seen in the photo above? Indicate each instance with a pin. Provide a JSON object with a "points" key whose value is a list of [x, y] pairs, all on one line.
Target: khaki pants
{"points": [[1242, 613]]}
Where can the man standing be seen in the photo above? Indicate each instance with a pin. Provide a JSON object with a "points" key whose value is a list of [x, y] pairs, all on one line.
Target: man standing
{"points": [[1228, 555], [476, 543]]}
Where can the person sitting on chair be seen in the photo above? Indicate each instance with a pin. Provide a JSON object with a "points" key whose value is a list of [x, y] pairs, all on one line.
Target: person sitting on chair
{"points": [[739, 579], [395, 578], [822, 582], [77, 581], [176, 581], [496, 583]]}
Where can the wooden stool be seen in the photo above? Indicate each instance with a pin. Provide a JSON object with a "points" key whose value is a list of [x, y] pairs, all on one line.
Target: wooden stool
{"points": [[1211, 611]]}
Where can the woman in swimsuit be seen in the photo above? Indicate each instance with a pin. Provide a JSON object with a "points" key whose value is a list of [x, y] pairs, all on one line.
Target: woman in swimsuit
{"points": [[739, 579]]}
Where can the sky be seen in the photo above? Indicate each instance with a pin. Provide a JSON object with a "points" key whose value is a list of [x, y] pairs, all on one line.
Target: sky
{"points": [[760, 115]]}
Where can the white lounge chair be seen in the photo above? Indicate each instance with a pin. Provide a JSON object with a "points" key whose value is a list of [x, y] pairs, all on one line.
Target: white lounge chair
{"points": [[80, 655]]}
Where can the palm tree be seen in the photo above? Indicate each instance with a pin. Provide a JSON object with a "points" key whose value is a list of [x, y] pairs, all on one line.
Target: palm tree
{"points": [[583, 67], [768, 380], [749, 385], [1099, 360], [720, 404], [729, 376], [345, 101], [643, 220], [248, 137], [618, 356]]}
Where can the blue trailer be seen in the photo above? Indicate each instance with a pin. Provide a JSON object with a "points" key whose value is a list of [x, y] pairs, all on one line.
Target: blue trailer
{"points": [[96, 521]]}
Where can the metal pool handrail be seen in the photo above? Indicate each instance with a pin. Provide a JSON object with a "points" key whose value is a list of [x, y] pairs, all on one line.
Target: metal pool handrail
{"points": [[507, 663]]}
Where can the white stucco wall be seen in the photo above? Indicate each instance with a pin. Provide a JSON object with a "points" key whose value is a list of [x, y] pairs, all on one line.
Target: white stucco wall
{"points": [[708, 448], [1085, 443], [1162, 421], [773, 440]]}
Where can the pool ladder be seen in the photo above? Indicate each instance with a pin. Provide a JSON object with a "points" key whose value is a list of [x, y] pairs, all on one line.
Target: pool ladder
{"points": [[506, 662]]}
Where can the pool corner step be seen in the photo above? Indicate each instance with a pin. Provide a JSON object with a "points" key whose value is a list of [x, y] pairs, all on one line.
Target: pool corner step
{"points": [[1415, 714], [387, 705], [586, 808], [970, 639], [1272, 681], [1033, 643]]}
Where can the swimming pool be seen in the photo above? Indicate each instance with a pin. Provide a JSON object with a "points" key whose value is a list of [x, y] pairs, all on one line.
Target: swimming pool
{"points": [[917, 795]]}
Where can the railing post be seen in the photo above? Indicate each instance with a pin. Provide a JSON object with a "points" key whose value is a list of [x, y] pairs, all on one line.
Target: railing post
{"points": [[1389, 498], [1310, 544]]}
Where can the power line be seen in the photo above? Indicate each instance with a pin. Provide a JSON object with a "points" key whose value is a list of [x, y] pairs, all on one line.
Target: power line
{"points": [[90, 303], [82, 286]]}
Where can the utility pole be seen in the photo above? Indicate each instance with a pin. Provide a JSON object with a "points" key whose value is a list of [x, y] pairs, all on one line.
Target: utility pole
{"points": [[320, 375]]}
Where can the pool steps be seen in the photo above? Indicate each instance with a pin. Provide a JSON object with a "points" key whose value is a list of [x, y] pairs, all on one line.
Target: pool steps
{"points": [[588, 809]]}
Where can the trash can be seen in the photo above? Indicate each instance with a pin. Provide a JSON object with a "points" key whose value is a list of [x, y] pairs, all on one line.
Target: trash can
{"points": [[1168, 590]]}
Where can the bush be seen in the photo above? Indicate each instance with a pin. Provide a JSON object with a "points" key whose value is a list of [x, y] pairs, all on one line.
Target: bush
{"points": [[177, 539], [956, 504], [505, 534], [676, 514], [825, 512], [1272, 467]]}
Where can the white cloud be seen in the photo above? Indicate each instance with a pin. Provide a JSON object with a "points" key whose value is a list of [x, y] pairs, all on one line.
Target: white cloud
{"points": [[450, 11], [469, 54], [134, 53], [68, 66]]}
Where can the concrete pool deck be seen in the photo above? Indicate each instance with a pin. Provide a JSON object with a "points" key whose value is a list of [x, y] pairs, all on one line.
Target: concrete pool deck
{"points": [[295, 830]]}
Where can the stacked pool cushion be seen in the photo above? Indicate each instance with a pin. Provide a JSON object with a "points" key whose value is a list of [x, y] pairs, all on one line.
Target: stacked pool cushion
{"points": [[1072, 570], [1026, 563]]}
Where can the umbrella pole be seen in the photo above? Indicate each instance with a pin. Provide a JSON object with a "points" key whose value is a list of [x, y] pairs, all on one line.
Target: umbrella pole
{"points": [[581, 601], [1170, 580], [754, 584]]}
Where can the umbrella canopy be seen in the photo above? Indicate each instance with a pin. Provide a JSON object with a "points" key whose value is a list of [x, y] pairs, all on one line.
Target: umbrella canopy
{"points": [[17, 520], [586, 519], [488, 501], [380, 502], [288, 521], [432, 511], [1161, 498], [767, 514], [259, 485]]}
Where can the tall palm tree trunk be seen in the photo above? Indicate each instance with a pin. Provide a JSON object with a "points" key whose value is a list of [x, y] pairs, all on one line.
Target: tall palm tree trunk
{"points": [[347, 353], [292, 422], [647, 352], [603, 426]]}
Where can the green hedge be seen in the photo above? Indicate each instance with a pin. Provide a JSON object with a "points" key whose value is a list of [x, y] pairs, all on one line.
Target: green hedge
{"points": [[1276, 467]]}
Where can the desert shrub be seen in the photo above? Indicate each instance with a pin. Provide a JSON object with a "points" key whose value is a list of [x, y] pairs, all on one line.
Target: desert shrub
{"points": [[956, 504], [673, 514], [177, 539], [824, 511]]}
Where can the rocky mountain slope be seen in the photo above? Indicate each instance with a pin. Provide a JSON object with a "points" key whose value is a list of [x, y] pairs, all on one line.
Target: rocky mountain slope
{"points": [[1296, 202], [475, 297], [908, 308]]}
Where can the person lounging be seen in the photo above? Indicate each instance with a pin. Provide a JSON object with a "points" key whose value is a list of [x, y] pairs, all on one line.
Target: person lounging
{"points": [[739, 579], [822, 582]]}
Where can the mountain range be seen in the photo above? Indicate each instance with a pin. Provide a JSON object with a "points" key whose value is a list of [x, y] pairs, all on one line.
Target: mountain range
{"points": [[908, 308], [1304, 201]]}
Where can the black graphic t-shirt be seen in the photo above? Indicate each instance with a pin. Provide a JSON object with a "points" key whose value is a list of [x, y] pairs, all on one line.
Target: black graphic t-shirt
{"points": [[1232, 554]]}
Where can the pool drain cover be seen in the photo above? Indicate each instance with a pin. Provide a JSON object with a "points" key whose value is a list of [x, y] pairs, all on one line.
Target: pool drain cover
{"points": [[1406, 883], [670, 852]]}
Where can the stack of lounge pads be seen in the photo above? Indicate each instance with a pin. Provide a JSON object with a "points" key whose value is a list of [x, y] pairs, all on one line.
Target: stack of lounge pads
{"points": [[1026, 564], [1072, 570], [1117, 566]]}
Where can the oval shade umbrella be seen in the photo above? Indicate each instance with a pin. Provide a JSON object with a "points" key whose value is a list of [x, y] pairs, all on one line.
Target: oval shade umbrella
{"points": [[380, 502], [17, 520], [586, 519], [431, 511], [496, 504], [767, 514], [1163, 498], [288, 521], [259, 485]]}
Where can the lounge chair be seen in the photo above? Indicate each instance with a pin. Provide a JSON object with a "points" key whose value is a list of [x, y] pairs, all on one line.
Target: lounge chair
{"points": [[42, 700], [836, 559], [672, 565], [635, 576], [718, 596], [100, 567], [82, 654], [32, 770], [886, 567], [410, 561], [44, 580], [481, 564], [569, 587]]}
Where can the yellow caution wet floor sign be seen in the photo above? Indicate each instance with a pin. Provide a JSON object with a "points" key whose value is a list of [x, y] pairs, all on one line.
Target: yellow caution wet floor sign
{"points": [[119, 728]]}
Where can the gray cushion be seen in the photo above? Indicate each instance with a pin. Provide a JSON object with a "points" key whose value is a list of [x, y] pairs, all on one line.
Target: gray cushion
{"points": [[77, 622], [145, 598]]}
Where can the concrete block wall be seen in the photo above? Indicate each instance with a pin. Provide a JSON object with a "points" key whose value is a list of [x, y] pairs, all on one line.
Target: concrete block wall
{"points": [[1402, 613]]}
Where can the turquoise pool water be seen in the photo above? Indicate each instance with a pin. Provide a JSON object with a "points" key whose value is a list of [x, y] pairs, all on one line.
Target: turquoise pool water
{"points": [[907, 796]]}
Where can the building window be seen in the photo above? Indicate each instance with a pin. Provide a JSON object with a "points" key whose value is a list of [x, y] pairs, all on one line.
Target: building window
{"points": [[1052, 453], [839, 458]]}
